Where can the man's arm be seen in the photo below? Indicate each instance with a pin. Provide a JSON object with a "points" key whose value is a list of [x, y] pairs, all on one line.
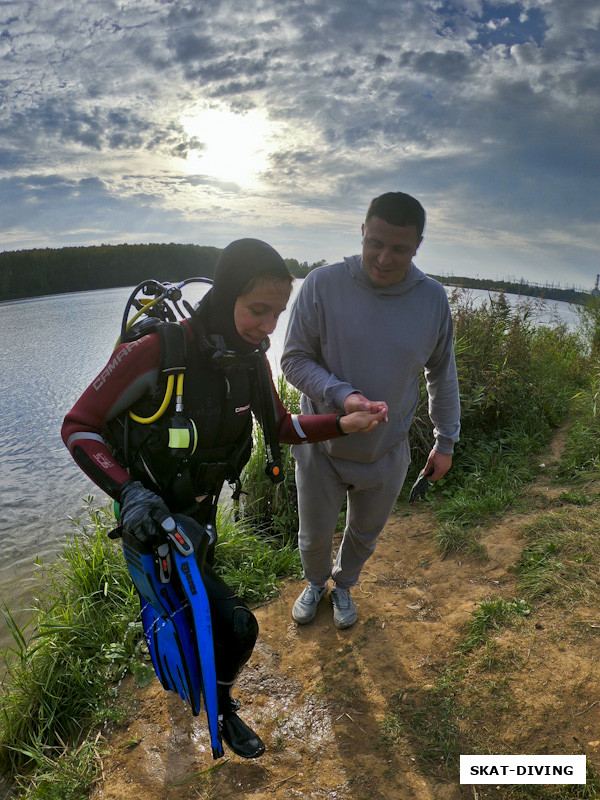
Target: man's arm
{"points": [[444, 401], [302, 361]]}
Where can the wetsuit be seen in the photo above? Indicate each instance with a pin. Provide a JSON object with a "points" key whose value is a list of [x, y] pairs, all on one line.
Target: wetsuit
{"points": [[220, 403]]}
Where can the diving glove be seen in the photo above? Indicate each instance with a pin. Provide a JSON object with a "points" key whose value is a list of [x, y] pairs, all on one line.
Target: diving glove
{"points": [[144, 514]]}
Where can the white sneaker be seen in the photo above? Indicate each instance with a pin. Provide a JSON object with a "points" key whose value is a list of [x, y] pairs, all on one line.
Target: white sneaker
{"points": [[305, 607], [344, 610]]}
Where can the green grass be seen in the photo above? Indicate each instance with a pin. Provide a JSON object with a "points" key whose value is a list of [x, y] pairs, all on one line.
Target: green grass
{"points": [[518, 382], [253, 564], [60, 673], [83, 635], [491, 615], [581, 461], [561, 562]]}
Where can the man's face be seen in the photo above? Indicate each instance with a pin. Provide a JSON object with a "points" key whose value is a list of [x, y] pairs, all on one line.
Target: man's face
{"points": [[388, 250]]}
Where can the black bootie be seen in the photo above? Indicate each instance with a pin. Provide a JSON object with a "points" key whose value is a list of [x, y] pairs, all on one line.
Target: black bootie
{"points": [[236, 734]]}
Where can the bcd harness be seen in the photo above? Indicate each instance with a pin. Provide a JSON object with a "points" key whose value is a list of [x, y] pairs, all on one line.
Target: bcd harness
{"points": [[190, 467]]}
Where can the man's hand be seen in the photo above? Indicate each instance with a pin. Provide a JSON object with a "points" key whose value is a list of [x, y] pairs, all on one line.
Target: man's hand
{"points": [[362, 421], [358, 402], [144, 514], [440, 463], [436, 466]]}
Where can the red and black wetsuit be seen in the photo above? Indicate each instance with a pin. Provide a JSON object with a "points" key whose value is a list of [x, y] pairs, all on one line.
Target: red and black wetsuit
{"points": [[220, 403]]}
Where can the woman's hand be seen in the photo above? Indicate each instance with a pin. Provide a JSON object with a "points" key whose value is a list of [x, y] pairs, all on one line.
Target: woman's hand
{"points": [[363, 421], [358, 402]]}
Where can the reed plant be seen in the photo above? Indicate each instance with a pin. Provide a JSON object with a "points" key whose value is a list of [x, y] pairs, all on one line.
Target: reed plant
{"points": [[271, 509], [64, 663], [517, 380]]}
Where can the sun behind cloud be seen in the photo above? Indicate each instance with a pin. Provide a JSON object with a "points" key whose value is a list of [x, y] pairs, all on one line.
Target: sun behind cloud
{"points": [[235, 145]]}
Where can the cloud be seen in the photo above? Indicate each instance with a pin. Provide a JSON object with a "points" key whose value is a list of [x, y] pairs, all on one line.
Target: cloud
{"points": [[487, 110]]}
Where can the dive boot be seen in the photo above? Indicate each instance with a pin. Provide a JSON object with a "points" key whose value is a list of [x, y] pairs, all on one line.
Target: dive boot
{"points": [[235, 733]]}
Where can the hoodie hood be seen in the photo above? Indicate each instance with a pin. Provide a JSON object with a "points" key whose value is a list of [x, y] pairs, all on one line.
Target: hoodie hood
{"points": [[239, 262], [359, 274]]}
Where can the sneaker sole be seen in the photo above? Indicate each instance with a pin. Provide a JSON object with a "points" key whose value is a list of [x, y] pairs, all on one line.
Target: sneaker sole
{"points": [[303, 621], [306, 620], [343, 625]]}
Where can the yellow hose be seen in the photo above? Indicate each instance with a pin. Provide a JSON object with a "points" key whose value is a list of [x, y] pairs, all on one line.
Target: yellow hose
{"points": [[163, 406], [146, 305]]}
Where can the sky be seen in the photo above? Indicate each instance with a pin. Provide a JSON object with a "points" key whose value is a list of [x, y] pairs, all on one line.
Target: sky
{"points": [[202, 122]]}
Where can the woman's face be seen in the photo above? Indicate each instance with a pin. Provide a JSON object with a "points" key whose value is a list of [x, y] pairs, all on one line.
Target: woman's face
{"points": [[256, 313]]}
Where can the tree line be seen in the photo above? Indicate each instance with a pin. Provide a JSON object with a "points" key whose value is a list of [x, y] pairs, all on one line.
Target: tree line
{"points": [[33, 273], [546, 291]]}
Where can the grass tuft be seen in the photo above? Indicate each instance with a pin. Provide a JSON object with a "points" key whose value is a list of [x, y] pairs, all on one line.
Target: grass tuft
{"points": [[561, 563]]}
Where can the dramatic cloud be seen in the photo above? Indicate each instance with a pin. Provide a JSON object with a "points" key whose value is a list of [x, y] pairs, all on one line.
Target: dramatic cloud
{"points": [[202, 122]]}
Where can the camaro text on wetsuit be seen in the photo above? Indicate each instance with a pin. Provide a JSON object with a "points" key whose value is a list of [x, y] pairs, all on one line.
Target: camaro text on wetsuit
{"points": [[112, 365]]}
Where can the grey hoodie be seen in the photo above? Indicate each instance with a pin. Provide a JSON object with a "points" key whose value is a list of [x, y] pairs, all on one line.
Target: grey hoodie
{"points": [[345, 334]]}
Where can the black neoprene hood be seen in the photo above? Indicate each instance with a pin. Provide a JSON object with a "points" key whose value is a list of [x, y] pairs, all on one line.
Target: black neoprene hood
{"points": [[239, 262]]}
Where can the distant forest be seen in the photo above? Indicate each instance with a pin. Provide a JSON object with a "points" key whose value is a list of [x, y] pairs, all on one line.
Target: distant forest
{"points": [[33, 273], [547, 291]]}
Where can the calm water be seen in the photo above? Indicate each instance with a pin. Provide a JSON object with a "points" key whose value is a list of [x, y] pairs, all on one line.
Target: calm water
{"points": [[52, 347]]}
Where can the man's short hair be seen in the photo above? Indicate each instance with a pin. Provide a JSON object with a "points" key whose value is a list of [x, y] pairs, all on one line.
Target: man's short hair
{"points": [[398, 208]]}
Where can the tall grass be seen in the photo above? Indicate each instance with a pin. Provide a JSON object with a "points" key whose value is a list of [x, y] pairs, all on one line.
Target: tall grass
{"points": [[254, 563], [582, 457], [271, 509], [517, 379], [60, 674]]}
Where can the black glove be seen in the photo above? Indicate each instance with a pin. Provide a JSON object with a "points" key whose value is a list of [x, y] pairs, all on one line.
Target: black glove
{"points": [[144, 514], [420, 486]]}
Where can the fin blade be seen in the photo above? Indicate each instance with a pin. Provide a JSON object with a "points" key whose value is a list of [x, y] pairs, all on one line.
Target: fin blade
{"points": [[166, 628], [199, 609]]}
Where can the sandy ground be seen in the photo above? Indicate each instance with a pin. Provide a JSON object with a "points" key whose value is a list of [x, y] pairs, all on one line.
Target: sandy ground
{"points": [[318, 696]]}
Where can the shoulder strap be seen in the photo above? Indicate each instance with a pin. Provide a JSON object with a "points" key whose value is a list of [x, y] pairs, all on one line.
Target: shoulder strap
{"points": [[173, 347], [268, 422], [173, 342]]}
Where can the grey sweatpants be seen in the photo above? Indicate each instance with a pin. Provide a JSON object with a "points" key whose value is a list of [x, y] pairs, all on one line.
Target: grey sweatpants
{"points": [[323, 482]]}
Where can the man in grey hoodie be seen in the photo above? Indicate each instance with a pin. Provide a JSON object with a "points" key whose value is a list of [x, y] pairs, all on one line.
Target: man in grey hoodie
{"points": [[367, 328]]}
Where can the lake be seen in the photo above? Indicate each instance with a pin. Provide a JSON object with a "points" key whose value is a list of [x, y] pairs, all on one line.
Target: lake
{"points": [[52, 348]]}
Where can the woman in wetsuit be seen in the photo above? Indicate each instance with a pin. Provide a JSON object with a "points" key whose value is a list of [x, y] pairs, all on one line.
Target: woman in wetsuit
{"points": [[227, 379]]}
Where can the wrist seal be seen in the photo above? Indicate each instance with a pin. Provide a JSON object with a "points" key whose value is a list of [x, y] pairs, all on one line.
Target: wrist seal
{"points": [[338, 425]]}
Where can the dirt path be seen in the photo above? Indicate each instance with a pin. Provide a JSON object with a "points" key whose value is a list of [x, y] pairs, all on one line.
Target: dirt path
{"points": [[319, 696]]}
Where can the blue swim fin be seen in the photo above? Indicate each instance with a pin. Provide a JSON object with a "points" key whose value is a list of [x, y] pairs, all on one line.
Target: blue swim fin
{"points": [[173, 601], [186, 566], [165, 647]]}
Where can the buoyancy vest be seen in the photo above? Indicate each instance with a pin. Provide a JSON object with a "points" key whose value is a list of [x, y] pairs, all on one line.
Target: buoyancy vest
{"points": [[221, 390]]}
